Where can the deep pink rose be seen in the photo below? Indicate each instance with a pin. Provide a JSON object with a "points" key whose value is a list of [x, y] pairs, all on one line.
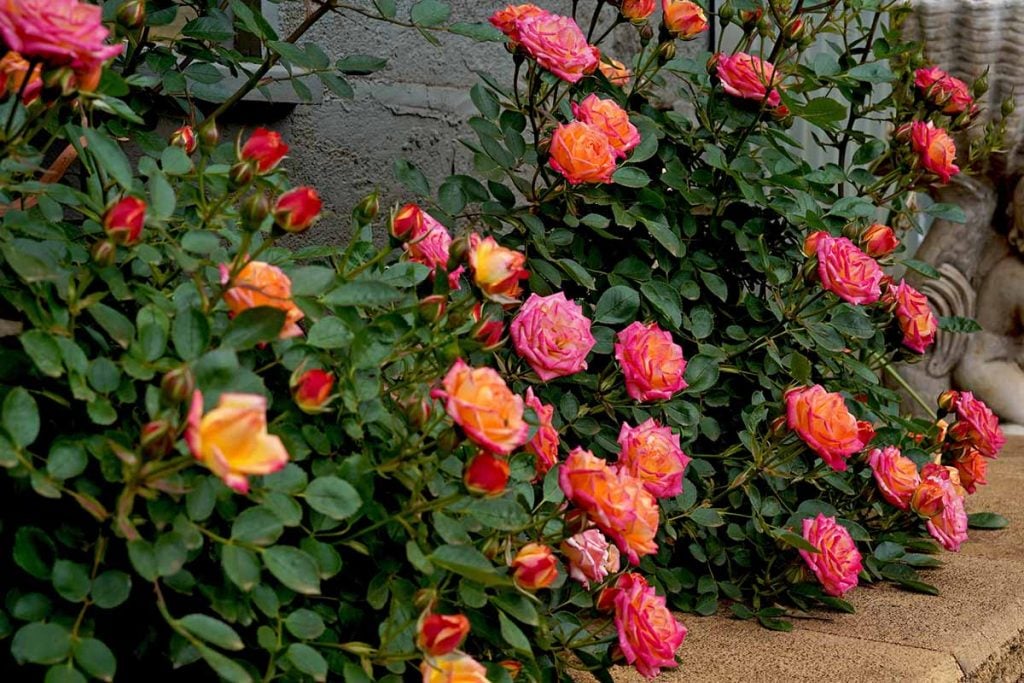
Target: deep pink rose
{"points": [[825, 424], [552, 335], [652, 363], [652, 454], [544, 444], [846, 271], [558, 45], [591, 557], [837, 562], [946, 92], [649, 634], [977, 425], [612, 120], [896, 475], [749, 78], [57, 32], [429, 243], [915, 317]]}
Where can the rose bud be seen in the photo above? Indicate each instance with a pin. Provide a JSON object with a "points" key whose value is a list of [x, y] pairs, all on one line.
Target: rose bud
{"points": [[750, 17], [185, 138], [157, 438], [209, 135], [488, 331], [811, 243], [879, 240], [486, 474], [131, 14], [683, 19], [439, 634], [254, 209], [794, 30], [407, 222], [265, 148], [534, 567], [637, 10], [367, 208], [311, 391], [123, 221], [513, 667], [297, 209], [104, 253], [177, 385], [947, 399], [242, 173], [497, 270], [432, 308]]}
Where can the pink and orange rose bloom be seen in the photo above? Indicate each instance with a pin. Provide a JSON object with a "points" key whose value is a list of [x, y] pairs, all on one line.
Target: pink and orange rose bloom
{"points": [[825, 424], [648, 633], [684, 19], [591, 557], [976, 425], [480, 402], [582, 153], [439, 634], [534, 567], [616, 72], [936, 151], [945, 92], [612, 120], [454, 667], [544, 444], [552, 335], [972, 468], [938, 501], [844, 269], [749, 78], [427, 241], [557, 44], [837, 562], [896, 475], [261, 284], [637, 10], [879, 240], [652, 454], [497, 270], [651, 362], [914, 315], [505, 20]]}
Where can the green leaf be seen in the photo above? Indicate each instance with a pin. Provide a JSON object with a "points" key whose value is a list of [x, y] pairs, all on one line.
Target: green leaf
{"points": [[174, 161], [872, 72], [360, 65], [108, 156], [577, 273], [229, 670], [467, 561], [213, 28], [305, 624], [707, 517], [715, 284], [308, 661], [947, 212], [41, 643], [701, 373], [364, 294], [71, 580], [111, 588], [618, 304], [96, 659], [190, 333], [28, 266], [887, 551], [430, 12], [794, 540], [44, 352], [412, 178], [450, 196], [61, 673], [254, 326], [958, 324], [665, 300], [329, 333], [631, 176], [20, 417], [154, 329], [333, 497], [143, 559], [514, 636], [664, 235], [294, 568], [481, 33], [503, 513], [34, 551], [987, 520], [925, 269], [386, 8], [823, 112], [212, 631], [241, 566], [518, 606], [257, 525]]}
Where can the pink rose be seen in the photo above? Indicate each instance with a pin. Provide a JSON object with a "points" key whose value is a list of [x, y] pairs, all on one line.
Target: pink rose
{"points": [[506, 20], [949, 94], [935, 149], [558, 45], [591, 557], [837, 562], [649, 634], [552, 335], [57, 32], [544, 444], [896, 475], [846, 271], [652, 454], [824, 423], [939, 501], [652, 363], [914, 316], [612, 120], [749, 77], [977, 425], [429, 243]]}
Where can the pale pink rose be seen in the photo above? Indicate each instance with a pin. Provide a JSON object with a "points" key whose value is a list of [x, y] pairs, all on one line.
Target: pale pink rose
{"points": [[825, 424], [652, 454], [837, 562], [749, 77], [552, 335], [896, 475], [846, 271], [591, 557], [57, 32], [977, 425], [651, 362], [612, 120], [558, 45], [649, 634], [429, 243], [914, 315], [544, 444]]}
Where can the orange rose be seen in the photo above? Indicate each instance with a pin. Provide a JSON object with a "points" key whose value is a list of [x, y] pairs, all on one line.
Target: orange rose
{"points": [[637, 10], [616, 72], [935, 149], [649, 634], [480, 402], [879, 240], [896, 475], [972, 468], [612, 120], [261, 284], [454, 667], [506, 20], [652, 454], [558, 45], [497, 270], [822, 420], [652, 364], [684, 19], [14, 71], [534, 567], [582, 154]]}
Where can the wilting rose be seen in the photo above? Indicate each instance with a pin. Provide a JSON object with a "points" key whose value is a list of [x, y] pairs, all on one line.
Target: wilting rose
{"points": [[185, 138], [879, 240], [824, 423], [615, 71], [261, 284], [558, 45], [749, 77], [915, 317], [614, 500], [946, 92], [651, 362], [684, 19], [896, 475], [612, 120], [265, 148], [297, 209], [232, 439], [430, 244], [311, 390], [637, 10], [972, 468], [534, 567], [454, 667], [591, 557], [544, 444], [407, 222], [582, 153], [649, 634], [486, 474], [846, 271], [935, 149], [14, 71], [977, 425], [57, 33], [497, 270], [124, 220], [439, 634], [652, 454], [837, 562], [506, 20], [552, 335], [480, 402]]}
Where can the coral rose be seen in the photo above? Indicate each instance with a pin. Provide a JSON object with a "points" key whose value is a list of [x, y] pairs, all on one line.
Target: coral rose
{"points": [[749, 78], [972, 468], [439, 634], [613, 500], [915, 317], [261, 284], [544, 444], [582, 153], [454, 667], [649, 634], [896, 475], [652, 363], [935, 149], [611, 119], [942, 505], [478, 400], [616, 72], [977, 425], [879, 240], [57, 33], [232, 439], [558, 45], [14, 71], [265, 149], [497, 270], [506, 20], [824, 423], [486, 474], [837, 562], [591, 557], [946, 92], [684, 19], [311, 390], [552, 335], [652, 454], [846, 271], [534, 567], [637, 10]]}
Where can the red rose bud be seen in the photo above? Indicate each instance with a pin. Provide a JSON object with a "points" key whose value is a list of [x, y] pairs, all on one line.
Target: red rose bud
{"points": [[439, 634], [534, 567], [488, 331], [750, 17], [879, 240], [265, 148], [157, 438], [432, 308], [947, 399], [513, 667], [104, 253], [177, 385], [486, 474], [407, 222], [312, 391], [209, 135], [794, 30], [185, 138], [123, 221], [131, 14], [297, 209]]}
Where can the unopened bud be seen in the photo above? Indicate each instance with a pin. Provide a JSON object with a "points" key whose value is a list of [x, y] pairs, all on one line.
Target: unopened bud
{"points": [[666, 51], [131, 14], [432, 308], [646, 34], [185, 137], [177, 385], [458, 252], [104, 253], [367, 209], [254, 210], [157, 438], [980, 86], [794, 30], [1008, 107], [209, 135], [726, 12], [242, 173], [947, 399], [751, 17]]}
